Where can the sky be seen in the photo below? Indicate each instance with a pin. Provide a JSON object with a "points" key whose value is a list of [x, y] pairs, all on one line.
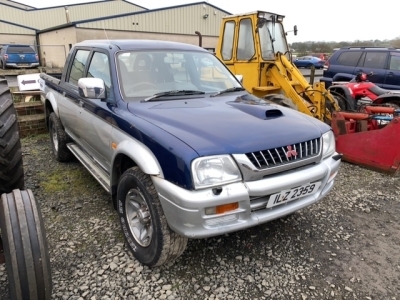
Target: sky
{"points": [[340, 20]]}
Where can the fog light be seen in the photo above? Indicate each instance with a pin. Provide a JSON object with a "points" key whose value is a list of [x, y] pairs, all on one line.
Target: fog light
{"points": [[220, 209]]}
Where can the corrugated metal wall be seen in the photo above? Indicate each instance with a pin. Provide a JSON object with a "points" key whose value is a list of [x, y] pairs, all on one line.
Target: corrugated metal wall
{"points": [[182, 20], [51, 17], [12, 29]]}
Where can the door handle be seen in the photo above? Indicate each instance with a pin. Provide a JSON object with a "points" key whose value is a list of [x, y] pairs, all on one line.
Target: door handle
{"points": [[390, 74], [64, 93], [80, 103]]}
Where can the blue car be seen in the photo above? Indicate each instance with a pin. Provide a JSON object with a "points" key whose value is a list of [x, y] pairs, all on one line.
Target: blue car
{"points": [[308, 62], [18, 56]]}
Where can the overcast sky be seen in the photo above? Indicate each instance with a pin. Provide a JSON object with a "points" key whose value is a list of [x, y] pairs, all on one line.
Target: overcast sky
{"points": [[337, 20]]}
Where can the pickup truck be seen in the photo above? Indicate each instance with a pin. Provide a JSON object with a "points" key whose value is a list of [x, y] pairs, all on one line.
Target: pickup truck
{"points": [[183, 149]]}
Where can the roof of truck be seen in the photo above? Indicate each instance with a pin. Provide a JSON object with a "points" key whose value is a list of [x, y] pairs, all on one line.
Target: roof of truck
{"points": [[141, 45]]}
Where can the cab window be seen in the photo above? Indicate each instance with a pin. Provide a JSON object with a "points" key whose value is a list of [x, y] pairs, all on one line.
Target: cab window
{"points": [[245, 50], [227, 42], [78, 66]]}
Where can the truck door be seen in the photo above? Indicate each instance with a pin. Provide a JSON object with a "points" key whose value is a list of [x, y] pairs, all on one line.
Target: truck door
{"points": [[96, 116], [245, 55], [375, 62], [392, 78], [69, 104]]}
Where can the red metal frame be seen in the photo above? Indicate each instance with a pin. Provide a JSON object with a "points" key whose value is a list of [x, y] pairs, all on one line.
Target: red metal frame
{"points": [[364, 141]]}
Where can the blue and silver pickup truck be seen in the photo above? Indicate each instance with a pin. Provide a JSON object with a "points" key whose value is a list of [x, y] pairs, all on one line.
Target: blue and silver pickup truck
{"points": [[182, 148]]}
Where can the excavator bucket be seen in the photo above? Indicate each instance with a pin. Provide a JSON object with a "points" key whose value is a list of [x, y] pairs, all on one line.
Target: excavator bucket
{"points": [[370, 139]]}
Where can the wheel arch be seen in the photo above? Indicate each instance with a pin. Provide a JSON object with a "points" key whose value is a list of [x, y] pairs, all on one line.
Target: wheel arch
{"points": [[50, 105], [129, 154]]}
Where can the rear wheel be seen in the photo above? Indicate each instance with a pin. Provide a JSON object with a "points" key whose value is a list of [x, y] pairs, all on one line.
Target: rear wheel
{"points": [[25, 247], [58, 139], [281, 100], [11, 167]]}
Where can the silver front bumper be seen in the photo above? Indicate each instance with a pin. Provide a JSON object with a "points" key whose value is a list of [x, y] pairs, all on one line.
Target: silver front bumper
{"points": [[185, 210]]}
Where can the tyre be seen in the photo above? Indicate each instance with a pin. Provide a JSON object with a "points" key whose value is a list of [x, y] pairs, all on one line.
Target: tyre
{"points": [[281, 100], [25, 247], [11, 166], [143, 222], [58, 139]]}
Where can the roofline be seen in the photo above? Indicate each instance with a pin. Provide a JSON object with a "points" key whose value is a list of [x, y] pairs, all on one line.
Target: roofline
{"points": [[18, 25], [58, 6], [21, 4], [72, 24], [145, 12]]}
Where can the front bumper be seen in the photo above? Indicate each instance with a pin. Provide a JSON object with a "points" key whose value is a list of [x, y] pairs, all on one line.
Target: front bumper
{"points": [[185, 210], [16, 65]]}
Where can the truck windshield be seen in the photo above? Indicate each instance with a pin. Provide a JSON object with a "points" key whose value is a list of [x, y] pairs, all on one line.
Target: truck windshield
{"points": [[270, 47], [143, 74]]}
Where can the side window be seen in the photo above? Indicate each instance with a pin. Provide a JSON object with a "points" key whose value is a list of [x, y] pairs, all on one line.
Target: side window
{"points": [[349, 58], [227, 42], [245, 49], [375, 60], [100, 68], [394, 62], [78, 66]]}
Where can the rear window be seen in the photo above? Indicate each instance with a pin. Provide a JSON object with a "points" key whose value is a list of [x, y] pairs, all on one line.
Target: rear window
{"points": [[349, 58], [20, 49]]}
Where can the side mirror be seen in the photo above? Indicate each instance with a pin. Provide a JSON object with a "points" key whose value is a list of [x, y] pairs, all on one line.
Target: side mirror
{"points": [[295, 29], [92, 88], [239, 78]]}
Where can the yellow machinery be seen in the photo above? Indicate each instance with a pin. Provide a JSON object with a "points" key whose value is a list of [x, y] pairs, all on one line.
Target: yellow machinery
{"points": [[254, 45]]}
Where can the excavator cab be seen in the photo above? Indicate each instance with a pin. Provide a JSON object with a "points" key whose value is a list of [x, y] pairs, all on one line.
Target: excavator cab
{"points": [[254, 46]]}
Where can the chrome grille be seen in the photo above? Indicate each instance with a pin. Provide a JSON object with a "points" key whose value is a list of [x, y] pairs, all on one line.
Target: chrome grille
{"points": [[285, 155]]}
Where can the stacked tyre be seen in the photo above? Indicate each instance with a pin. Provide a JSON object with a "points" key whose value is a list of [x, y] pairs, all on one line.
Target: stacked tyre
{"points": [[23, 239]]}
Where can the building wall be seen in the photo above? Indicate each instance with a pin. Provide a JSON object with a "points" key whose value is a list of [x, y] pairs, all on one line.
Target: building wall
{"points": [[51, 17], [17, 39], [55, 45], [179, 20], [90, 34]]}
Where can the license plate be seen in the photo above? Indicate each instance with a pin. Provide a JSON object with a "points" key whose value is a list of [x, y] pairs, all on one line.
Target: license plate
{"points": [[293, 194], [23, 65]]}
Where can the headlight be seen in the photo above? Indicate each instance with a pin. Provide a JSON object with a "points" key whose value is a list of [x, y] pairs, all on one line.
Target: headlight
{"points": [[328, 144], [214, 170]]}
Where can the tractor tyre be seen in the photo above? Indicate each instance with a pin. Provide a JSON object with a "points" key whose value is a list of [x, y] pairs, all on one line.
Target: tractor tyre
{"points": [[11, 167], [281, 100], [25, 247]]}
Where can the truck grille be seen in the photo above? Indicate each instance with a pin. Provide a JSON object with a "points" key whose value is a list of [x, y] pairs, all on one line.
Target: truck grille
{"points": [[285, 155]]}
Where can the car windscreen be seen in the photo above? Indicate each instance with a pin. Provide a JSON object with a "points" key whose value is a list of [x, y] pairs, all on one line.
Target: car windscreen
{"points": [[20, 49]]}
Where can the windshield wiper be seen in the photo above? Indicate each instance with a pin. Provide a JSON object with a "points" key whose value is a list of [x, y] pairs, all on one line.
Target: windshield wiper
{"points": [[234, 89], [174, 93]]}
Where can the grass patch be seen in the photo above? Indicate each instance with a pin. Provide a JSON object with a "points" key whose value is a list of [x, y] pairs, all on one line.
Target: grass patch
{"points": [[76, 181]]}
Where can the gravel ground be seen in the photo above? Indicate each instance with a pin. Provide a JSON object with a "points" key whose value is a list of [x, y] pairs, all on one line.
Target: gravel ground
{"points": [[345, 247]]}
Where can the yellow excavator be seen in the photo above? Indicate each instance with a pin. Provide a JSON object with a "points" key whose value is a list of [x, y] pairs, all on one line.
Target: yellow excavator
{"points": [[254, 46]]}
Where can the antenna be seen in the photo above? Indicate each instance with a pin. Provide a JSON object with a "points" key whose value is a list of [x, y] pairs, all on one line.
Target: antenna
{"points": [[105, 33]]}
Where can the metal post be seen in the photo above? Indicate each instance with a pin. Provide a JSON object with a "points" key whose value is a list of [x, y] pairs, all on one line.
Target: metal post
{"points": [[200, 38], [312, 75]]}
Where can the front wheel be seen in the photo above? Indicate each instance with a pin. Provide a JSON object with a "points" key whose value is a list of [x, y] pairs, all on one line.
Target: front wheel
{"points": [[25, 247], [143, 222]]}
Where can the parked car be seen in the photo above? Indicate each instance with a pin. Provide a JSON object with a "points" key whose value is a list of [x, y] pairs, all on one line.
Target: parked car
{"points": [[18, 56], [181, 147], [308, 62], [346, 63]]}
